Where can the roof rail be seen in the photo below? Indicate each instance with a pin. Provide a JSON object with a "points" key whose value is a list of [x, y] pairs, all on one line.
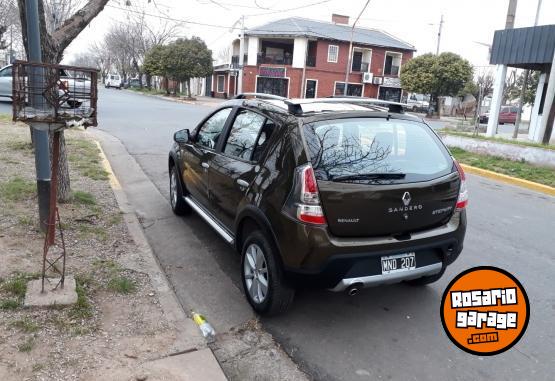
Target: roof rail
{"points": [[259, 95], [295, 105]]}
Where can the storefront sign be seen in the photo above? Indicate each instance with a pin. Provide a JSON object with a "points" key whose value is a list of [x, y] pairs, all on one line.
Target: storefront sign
{"points": [[270, 71], [391, 82]]}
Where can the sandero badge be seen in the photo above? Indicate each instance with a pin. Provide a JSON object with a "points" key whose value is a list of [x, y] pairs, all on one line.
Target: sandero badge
{"points": [[485, 311]]}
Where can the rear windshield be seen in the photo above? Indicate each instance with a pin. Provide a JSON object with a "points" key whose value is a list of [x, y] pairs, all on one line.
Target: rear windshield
{"points": [[366, 146]]}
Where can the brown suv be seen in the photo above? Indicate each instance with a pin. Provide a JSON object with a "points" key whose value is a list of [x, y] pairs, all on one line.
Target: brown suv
{"points": [[339, 193]]}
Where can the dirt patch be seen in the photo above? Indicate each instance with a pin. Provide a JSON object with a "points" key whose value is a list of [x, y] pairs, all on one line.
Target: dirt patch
{"points": [[117, 322]]}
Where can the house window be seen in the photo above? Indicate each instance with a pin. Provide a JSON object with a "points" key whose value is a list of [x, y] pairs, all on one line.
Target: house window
{"points": [[392, 63], [220, 84], [333, 53], [311, 86], [353, 89]]}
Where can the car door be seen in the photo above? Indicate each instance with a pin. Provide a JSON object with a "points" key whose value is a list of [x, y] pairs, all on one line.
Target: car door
{"points": [[198, 154], [6, 82], [235, 166], [504, 114]]}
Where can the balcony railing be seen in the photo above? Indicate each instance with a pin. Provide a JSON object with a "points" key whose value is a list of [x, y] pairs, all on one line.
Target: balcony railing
{"points": [[235, 61], [361, 66], [275, 59]]}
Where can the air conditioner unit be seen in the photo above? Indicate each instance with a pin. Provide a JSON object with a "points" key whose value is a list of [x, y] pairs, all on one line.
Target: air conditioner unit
{"points": [[367, 77], [377, 80]]}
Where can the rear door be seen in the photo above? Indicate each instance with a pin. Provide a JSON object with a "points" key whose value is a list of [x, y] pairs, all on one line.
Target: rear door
{"points": [[381, 177], [234, 168], [198, 155]]}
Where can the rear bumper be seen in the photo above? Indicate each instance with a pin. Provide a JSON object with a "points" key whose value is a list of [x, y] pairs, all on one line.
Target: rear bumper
{"points": [[379, 279], [338, 263]]}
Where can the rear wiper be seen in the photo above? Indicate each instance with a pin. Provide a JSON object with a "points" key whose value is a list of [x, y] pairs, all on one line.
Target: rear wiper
{"points": [[370, 176]]}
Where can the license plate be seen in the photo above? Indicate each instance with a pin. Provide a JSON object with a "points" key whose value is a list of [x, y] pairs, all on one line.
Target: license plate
{"points": [[398, 262]]}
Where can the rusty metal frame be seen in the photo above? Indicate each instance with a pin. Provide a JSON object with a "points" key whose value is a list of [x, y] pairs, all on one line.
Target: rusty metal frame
{"points": [[60, 103]]}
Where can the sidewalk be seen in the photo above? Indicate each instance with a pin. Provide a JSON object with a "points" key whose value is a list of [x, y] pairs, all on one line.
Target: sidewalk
{"points": [[199, 100], [127, 323]]}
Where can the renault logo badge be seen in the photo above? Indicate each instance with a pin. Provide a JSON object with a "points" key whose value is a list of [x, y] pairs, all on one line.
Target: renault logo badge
{"points": [[406, 198]]}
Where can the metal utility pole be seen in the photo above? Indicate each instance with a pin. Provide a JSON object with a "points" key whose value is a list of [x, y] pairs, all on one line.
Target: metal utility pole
{"points": [[42, 154], [239, 89], [348, 69], [525, 82], [499, 85], [439, 35]]}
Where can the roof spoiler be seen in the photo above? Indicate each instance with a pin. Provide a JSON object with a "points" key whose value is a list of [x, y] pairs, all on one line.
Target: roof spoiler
{"points": [[295, 106], [259, 96]]}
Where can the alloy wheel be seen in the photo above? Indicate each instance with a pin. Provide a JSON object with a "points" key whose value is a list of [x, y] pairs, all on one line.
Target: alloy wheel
{"points": [[173, 189], [255, 272]]}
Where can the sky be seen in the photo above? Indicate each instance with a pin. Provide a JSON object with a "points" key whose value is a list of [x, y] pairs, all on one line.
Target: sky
{"points": [[466, 22]]}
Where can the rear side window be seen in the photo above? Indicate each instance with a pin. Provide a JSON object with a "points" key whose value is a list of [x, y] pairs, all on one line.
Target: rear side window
{"points": [[366, 146], [244, 133]]}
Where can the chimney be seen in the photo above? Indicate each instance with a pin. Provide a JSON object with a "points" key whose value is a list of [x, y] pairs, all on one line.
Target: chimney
{"points": [[339, 19]]}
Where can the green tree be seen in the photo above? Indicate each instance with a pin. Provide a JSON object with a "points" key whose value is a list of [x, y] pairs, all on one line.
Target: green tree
{"points": [[186, 59], [513, 92], [154, 63], [438, 75]]}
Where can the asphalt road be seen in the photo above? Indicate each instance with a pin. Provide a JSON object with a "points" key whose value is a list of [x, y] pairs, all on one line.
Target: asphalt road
{"points": [[391, 332]]}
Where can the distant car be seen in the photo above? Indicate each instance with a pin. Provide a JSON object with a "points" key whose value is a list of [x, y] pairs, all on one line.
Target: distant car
{"points": [[484, 117], [418, 102], [68, 85], [507, 115], [113, 80], [6, 82], [133, 83]]}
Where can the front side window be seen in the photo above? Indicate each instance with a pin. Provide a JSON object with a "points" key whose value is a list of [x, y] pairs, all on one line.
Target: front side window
{"points": [[220, 84], [244, 132], [392, 64], [211, 130], [363, 146], [333, 53]]}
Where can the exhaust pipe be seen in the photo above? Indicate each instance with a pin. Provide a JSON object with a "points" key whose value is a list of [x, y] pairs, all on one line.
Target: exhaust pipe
{"points": [[353, 289]]}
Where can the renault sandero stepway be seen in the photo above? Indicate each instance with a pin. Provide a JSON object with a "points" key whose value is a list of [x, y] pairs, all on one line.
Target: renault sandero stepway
{"points": [[338, 193]]}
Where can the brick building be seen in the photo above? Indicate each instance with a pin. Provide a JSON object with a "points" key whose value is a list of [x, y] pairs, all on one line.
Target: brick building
{"points": [[302, 58]]}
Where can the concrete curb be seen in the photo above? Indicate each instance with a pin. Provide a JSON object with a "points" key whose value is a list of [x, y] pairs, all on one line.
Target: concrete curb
{"points": [[546, 189], [189, 340]]}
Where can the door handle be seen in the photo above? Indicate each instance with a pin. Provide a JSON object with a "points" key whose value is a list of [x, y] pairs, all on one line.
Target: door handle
{"points": [[242, 183], [205, 165]]}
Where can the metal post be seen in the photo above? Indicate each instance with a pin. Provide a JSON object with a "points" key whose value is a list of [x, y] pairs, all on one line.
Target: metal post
{"points": [[42, 154], [348, 70], [439, 35]]}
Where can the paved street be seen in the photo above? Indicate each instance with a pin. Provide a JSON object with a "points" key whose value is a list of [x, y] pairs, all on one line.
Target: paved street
{"points": [[389, 332]]}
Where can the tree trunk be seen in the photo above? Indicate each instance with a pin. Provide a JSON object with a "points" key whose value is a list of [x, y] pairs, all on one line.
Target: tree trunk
{"points": [[189, 87], [64, 183], [149, 81]]}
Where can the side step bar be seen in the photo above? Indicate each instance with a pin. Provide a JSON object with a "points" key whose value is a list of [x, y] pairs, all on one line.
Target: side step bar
{"points": [[211, 221]]}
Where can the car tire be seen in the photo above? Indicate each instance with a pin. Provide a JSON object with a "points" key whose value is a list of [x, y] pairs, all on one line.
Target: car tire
{"points": [[259, 265], [422, 281], [178, 204]]}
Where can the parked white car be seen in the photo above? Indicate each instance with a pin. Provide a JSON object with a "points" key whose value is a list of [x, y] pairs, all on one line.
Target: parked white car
{"points": [[77, 88], [418, 102], [6, 82], [113, 80]]}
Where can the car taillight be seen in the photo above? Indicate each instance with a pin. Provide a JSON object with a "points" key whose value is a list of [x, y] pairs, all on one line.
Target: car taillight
{"points": [[462, 201], [303, 203]]}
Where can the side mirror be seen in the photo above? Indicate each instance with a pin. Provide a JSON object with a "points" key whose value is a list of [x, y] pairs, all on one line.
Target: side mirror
{"points": [[181, 136]]}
